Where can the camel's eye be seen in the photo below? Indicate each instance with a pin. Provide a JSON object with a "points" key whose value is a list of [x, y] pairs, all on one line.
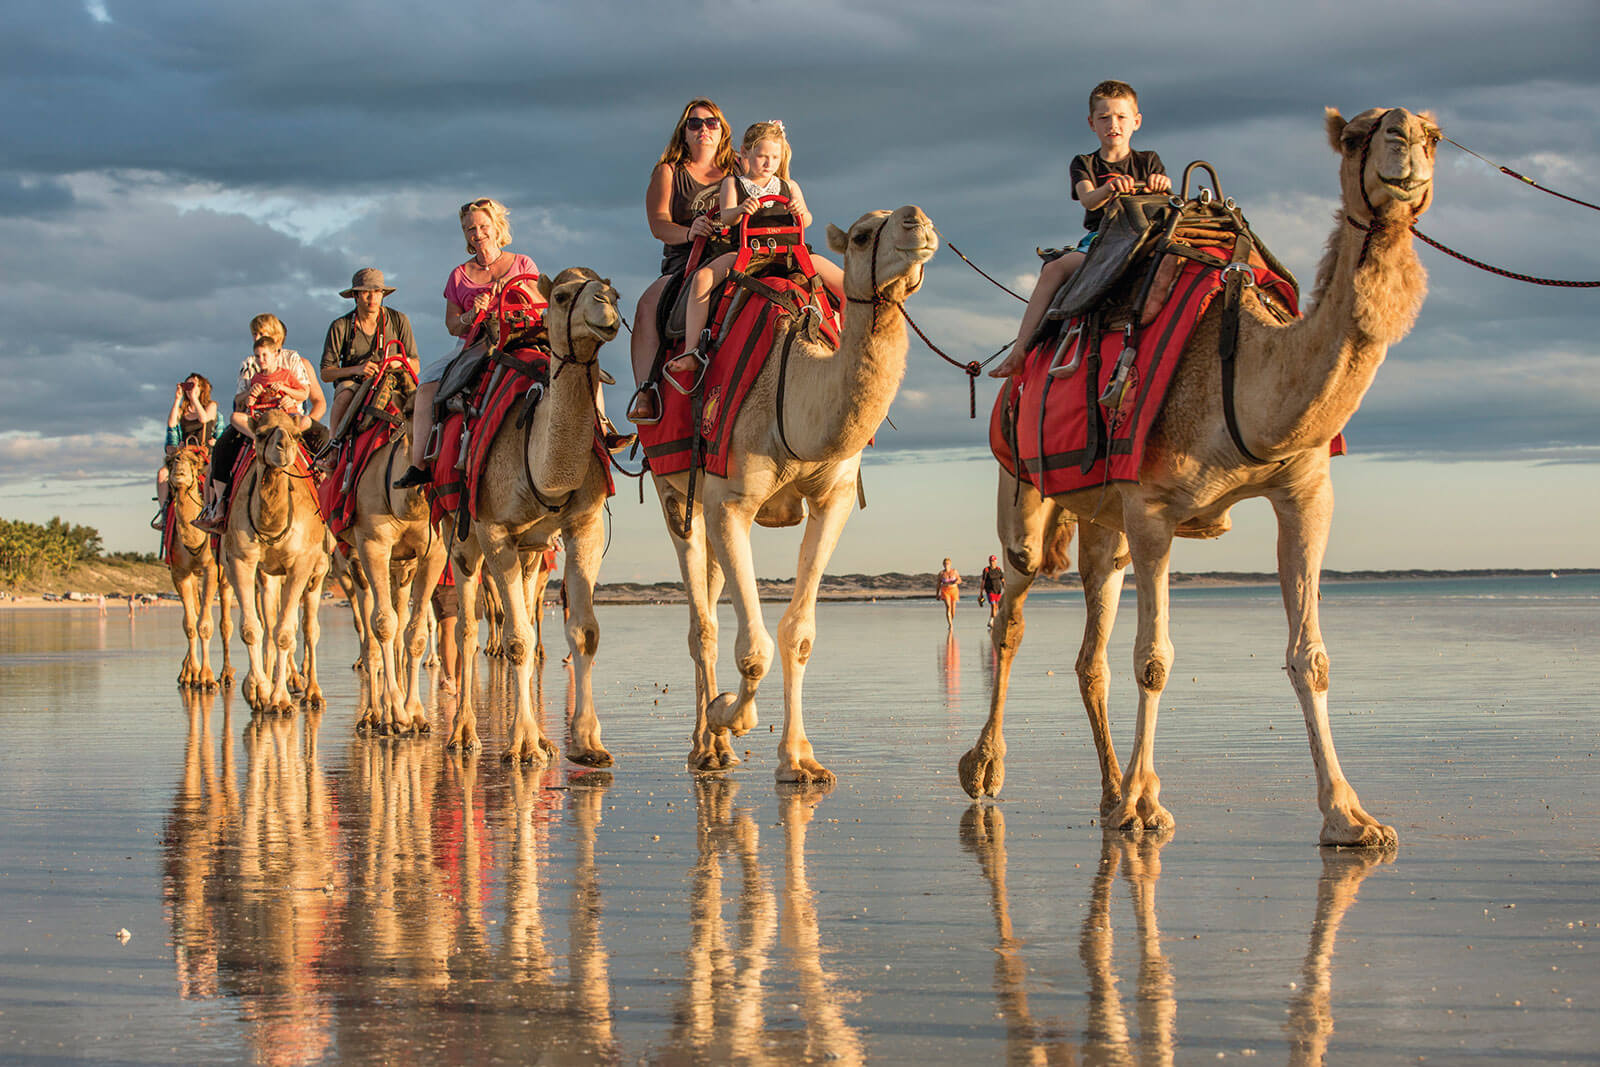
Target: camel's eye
{"points": [[860, 237]]}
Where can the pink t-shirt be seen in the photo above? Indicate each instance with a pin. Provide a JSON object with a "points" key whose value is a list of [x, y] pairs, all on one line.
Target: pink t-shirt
{"points": [[462, 292]]}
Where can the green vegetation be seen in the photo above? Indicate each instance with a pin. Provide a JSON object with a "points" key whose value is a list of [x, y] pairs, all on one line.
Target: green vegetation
{"points": [[29, 551]]}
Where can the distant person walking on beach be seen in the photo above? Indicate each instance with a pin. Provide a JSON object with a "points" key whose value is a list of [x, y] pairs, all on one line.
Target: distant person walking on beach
{"points": [[994, 585], [949, 591]]}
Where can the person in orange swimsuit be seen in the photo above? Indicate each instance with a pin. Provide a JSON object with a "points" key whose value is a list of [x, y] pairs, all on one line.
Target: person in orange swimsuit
{"points": [[949, 591]]}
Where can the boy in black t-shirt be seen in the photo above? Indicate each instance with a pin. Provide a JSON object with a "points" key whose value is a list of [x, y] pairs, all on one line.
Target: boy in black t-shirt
{"points": [[1096, 178]]}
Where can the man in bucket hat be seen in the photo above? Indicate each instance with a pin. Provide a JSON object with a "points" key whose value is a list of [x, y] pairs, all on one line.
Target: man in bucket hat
{"points": [[358, 342]]}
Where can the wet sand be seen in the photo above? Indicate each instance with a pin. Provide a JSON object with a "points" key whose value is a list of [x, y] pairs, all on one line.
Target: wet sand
{"points": [[294, 893]]}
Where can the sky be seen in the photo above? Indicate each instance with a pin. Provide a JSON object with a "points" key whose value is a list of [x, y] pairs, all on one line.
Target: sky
{"points": [[172, 168]]}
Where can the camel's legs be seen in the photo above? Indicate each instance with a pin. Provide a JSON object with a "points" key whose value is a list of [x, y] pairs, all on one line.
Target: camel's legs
{"points": [[207, 578], [289, 591], [702, 582], [369, 713], [728, 533], [381, 623], [585, 538], [1022, 519], [468, 565], [225, 625], [797, 630], [503, 559], [419, 626], [189, 674], [310, 607], [1304, 515], [242, 576], [1150, 543], [1101, 558]]}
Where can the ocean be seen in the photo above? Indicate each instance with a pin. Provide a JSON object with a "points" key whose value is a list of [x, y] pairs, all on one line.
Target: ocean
{"points": [[294, 893]]}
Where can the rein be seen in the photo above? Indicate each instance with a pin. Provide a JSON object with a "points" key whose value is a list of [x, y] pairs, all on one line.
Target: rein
{"points": [[590, 368]]}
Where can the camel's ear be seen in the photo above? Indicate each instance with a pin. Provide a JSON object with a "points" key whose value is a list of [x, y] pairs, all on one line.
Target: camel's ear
{"points": [[837, 238], [1336, 124], [544, 287]]}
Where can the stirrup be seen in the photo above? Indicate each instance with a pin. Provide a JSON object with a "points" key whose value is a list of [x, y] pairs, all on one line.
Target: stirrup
{"points": [[699, 376], [652, 392], [1069, 340]]}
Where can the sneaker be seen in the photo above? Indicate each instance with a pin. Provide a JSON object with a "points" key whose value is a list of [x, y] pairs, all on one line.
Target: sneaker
{"points": [[413, 477], [210, 520]]}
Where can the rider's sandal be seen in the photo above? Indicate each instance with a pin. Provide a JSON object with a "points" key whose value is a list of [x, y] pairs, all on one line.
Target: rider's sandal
{"points": [[209, 520], [644, 409], [615, 442], [413, 477]]}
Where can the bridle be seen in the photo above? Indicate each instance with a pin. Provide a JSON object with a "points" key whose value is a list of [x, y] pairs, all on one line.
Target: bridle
{"points": [[1374, 225], [591, 368], [270, 540]]}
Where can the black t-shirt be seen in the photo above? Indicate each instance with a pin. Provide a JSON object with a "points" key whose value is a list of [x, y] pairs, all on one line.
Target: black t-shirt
{"points": [[994, 580], [1138, 166]]}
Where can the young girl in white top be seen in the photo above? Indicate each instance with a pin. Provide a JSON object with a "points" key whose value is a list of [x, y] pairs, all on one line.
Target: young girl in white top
{"points": [[765, 157]]}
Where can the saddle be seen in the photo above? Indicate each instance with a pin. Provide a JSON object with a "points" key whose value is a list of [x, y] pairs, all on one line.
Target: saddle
{"points": [[772, 290], [380, 410], [1081, 410]]}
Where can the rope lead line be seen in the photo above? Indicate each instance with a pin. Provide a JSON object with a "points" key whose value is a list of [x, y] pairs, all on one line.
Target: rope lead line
{"points": [[1530, 279], [1508, 172]]}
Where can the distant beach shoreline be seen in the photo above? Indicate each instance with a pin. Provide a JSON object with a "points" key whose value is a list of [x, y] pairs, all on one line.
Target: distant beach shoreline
{"points": [[835, 588]]}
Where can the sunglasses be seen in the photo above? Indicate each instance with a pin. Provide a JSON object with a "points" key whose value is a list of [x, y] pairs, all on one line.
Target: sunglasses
{"points": [[695, 122], [476, 205]]}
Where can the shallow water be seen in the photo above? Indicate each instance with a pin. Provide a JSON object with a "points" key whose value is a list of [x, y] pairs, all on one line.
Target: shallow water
{"points": [[295, 893]]}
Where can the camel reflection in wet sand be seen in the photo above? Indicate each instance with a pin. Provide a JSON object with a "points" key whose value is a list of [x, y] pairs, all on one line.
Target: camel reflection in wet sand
{"points": [[1107, 1037], [721, 1015]]}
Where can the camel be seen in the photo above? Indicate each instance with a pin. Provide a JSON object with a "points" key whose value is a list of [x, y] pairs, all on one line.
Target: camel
{"points": [[540, 480], [196, 576], [1297, 386], [803, 460], [275, 530], [401, 556]]}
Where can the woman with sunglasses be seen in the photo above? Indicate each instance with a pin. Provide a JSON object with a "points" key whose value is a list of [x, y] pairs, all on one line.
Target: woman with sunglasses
{"points": [[683, 187]]}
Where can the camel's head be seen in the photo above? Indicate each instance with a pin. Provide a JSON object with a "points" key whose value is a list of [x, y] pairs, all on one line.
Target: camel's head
{"points": [[884, 252], [184, 467], [516, 315], [581, 304], [277, 437], [1388, 160]]}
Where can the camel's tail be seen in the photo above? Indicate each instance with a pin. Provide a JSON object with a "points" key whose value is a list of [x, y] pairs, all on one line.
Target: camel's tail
{"points": [[1058, 546]]}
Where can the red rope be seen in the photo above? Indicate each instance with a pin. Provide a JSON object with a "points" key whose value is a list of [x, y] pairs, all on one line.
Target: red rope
{"points": [[1502, 272]]}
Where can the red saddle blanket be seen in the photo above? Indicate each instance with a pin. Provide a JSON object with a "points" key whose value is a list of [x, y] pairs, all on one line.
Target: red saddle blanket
{"points": [[1064, 436], [458, 466], [337, 496], [302, 469], [708, 418]]}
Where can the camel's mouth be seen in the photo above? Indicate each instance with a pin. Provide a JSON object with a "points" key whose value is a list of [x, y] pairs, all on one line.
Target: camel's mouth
{"points": [[920, 252], [1405, 190]]}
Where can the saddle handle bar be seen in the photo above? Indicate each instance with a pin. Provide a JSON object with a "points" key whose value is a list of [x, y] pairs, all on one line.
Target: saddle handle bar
{"points": [[1205, 194]]}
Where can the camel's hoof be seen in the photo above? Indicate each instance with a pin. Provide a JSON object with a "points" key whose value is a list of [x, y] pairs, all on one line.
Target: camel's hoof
{"points": [[982, 774], [1373, 836], [462, 740], [225, 679], [313, 702], [720, 715], [539, 754], [597, 757], [1141, 815], [806, 772], [712, 762]]}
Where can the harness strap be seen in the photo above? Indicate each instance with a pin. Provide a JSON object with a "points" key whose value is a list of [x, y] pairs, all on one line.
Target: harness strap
{"points": [[783, 377], [1236, 276]]}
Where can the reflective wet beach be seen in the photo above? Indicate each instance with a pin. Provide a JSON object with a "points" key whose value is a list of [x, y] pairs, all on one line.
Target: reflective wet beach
{"points": [[296, 893]]}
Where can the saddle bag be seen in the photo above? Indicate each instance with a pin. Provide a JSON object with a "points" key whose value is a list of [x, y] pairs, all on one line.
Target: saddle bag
{"points": [[460, 376]]}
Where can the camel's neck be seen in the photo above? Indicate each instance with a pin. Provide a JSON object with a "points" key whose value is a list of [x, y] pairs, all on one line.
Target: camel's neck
{"points": [[561, 446], [186, 506], [1299, 385], [835, 402], [273, 489]]}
